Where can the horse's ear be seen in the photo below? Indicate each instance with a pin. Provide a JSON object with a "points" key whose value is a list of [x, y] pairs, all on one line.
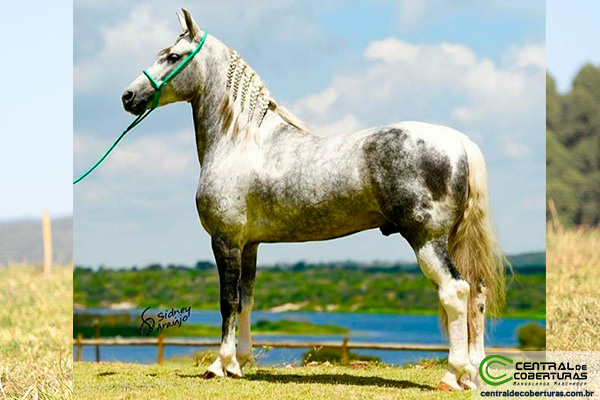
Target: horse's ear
{"points": [[181, 22], [190, 24]]}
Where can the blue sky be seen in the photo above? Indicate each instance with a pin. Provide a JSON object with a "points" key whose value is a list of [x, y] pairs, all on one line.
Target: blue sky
{"points": [[572, 31], [475, 66], [36, 149]]}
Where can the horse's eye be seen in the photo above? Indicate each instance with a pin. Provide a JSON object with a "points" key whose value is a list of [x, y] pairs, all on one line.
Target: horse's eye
{"points": [[173, 57]]}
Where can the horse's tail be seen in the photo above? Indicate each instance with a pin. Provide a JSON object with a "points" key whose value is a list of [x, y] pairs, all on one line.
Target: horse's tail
{"points": [[473, 245]]}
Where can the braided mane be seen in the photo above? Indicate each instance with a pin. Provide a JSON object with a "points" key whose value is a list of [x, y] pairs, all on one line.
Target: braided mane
{"points": [[247, 100]]}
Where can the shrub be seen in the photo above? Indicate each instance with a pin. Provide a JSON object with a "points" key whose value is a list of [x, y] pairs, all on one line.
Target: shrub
{"points": [[532, 336], [334, 356]]}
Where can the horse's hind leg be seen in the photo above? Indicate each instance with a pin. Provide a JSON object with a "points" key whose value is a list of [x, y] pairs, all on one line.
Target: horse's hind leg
{"points": [[229, 264], [436, 264], [476, 342], [244, 349]]}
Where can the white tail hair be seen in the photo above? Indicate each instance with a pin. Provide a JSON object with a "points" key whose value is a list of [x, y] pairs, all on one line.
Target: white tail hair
{"points": [[473, 245]]}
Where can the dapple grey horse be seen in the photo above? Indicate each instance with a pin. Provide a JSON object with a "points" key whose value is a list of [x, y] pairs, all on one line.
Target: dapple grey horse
{"points": [[265, 178]]}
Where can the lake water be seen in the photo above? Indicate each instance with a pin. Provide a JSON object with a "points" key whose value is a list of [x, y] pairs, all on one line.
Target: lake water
{"points": [[382, 328]]}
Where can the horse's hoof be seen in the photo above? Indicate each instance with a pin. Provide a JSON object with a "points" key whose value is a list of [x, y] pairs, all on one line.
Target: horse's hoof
{"points": [[444, 387], [233, 370], [234, 375], [215, 370], [209, 375], [467, 385]]}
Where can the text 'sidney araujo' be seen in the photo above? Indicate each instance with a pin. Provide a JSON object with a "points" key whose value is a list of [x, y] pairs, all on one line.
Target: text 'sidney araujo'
{"points": [[163, 320]]}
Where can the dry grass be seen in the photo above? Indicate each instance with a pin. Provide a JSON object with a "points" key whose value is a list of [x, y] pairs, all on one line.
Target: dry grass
{"points": [[573, 289], [36, 360]]}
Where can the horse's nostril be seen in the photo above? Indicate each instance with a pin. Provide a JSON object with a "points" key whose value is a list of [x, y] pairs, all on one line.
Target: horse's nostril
{"points": [[128, 96]]}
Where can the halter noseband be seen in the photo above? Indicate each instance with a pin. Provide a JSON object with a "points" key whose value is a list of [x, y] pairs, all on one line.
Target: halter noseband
{"points": [[158, 86]]}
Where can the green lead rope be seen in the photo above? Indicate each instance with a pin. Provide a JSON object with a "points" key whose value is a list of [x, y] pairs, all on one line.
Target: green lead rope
{"points": [[110, 149], [157, 90]]}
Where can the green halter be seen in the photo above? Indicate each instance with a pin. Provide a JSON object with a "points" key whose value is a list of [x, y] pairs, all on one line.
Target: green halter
{"points": [[157, 90], [158, 86]]}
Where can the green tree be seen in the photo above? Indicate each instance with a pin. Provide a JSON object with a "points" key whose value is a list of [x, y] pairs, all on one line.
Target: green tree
{"points": [[573, 148], [553, 105]]}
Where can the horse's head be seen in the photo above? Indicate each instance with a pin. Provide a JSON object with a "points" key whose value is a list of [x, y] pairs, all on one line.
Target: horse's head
{"points": [[183, 86]]}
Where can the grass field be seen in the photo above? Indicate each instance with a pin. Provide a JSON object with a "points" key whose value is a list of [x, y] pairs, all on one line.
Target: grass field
{"points": [[103, 381], [573, 298], [36, 333]]}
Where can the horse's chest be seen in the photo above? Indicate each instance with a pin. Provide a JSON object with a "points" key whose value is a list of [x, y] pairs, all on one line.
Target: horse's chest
{"points": [[220, 200]]}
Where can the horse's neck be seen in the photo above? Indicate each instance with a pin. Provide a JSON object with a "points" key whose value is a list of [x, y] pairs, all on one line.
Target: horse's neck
{"points": [[206, 120], [205, 105], [233, 104]]}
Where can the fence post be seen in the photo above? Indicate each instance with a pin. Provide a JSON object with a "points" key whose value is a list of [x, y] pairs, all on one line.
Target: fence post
{"points": [[161, 349], [344, 350], [555, 220], [78, 344], [47, 234], [96, 325]]}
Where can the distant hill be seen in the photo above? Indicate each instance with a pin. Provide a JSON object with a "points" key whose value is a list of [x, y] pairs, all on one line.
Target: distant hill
{"points": [[21, 241], [529, 263], [524, 264]]}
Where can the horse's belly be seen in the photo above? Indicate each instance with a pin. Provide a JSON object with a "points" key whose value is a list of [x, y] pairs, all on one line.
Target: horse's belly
{"points": [[314, 224]]}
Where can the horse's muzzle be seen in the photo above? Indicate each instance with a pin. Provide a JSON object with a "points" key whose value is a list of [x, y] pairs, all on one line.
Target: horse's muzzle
{"points": [[132, 104], [128, 100], [128, 96]]}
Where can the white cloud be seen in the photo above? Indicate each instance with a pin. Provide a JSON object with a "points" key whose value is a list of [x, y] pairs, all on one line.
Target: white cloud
{"points": [[81, 143], [516, 150], [124, 45], [391, 50], [143, 174], [159, 155], [414, 13], [168, 154], [318, 103], [533, 55], [348, 123], [133, 39], [394, 51], [445, 82]]}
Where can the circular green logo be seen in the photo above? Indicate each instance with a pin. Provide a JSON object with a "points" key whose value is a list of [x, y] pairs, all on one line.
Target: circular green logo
{"points": [[486, 374]]}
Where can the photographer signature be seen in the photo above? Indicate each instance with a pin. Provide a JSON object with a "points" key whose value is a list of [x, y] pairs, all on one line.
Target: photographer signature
{"points": [[163, 320]]}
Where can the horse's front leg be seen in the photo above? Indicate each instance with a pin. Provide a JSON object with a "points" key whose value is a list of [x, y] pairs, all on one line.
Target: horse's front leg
{"points": [[244, 349], [229, 263]]}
